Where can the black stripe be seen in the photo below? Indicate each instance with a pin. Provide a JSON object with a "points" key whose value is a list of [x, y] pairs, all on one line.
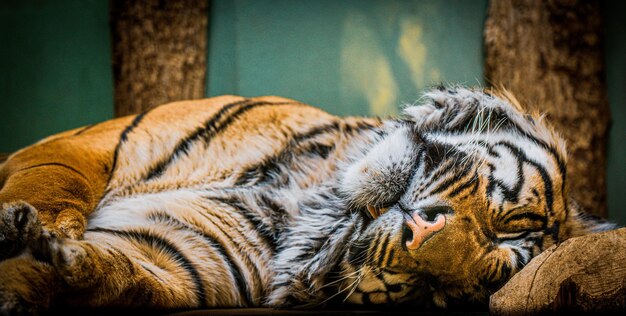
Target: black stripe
{"points": [[315, 249], [211, 128], [58, 164], [510, 194], [122, 140], [184, 145], [542, 171], [529, 216], [84, 129], [519, 259], [159, 242], [235, 271], [264, 231], [439, 157], [497, 115], [389, 257], [244, 253], [153, 274], [375, 241], [552, 150], [450, 114], [450, 181], [304, 256], [391, 287], [383, 250], [365, 298], [268, 169], [472, 182]]}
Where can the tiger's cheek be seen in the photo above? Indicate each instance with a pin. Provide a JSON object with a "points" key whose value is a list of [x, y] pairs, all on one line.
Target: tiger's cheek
{"points": [[449, 254], [453, 254]]}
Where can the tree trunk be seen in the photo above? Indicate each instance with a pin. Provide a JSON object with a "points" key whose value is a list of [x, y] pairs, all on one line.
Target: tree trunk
{"points": [[549, 54], [159, 52]]}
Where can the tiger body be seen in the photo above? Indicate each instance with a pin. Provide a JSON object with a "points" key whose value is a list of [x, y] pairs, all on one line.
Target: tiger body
{"points": [[235, 202]]}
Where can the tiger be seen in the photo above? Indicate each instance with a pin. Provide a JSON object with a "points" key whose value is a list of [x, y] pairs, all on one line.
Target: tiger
{"points": [[269, 202]]}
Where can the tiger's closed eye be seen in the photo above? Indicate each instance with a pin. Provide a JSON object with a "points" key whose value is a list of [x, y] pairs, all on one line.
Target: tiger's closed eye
{"points": [[512, 236], [519, 220]]}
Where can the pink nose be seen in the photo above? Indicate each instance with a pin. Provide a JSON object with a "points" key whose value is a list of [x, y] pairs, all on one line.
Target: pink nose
{"points": [[421, 229]]}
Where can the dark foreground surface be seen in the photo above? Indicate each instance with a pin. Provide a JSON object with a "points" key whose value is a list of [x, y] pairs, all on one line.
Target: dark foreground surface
{"points": [[267, 311]]}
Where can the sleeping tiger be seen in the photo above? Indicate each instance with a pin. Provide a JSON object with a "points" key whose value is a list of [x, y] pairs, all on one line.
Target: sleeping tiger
{"points": [[237, 202]]}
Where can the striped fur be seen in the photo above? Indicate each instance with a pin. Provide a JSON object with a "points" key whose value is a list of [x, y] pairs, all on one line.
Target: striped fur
{"points": [[233, 202]]}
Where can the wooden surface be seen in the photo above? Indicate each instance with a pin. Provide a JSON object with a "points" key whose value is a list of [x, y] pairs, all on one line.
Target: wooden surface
{"points": [[159, 52], [582, 274], [549, 54]]}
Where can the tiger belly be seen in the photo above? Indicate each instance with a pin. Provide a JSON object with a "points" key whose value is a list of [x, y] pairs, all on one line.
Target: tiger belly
{"points": [[196, 247]]}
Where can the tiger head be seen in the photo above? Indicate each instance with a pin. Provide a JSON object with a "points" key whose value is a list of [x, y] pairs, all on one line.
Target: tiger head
{"points": [[458, 196]]}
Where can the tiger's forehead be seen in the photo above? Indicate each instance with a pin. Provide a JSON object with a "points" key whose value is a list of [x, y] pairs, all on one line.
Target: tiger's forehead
{"points": [[514, 168], [460, 116], [501, 149]]}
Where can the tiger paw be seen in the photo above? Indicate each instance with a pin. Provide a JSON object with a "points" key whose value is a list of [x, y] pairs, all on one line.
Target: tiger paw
{"points": [[19, 228]]}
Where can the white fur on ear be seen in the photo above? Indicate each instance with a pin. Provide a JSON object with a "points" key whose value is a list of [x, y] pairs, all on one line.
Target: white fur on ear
{"points": [[447, 109], [382, 175]]}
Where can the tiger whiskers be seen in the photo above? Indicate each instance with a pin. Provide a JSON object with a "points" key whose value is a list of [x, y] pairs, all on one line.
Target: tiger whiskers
{"points": [[356, 283], [343, 278], [353, 285]]}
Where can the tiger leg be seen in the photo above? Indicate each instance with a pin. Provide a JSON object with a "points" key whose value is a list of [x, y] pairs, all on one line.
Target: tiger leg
{"points": [[58, 271], [62, 197], [27, 285], [98, 274], [103, 276]]}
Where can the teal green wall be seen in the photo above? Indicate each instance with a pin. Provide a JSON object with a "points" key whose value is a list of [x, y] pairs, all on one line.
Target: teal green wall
{"points": [[55, 68], [349, 57], [615, 22]]}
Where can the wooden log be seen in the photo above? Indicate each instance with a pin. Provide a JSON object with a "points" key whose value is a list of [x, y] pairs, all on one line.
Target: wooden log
{"points": [[159, 52], [549, 54], [582, 274]]}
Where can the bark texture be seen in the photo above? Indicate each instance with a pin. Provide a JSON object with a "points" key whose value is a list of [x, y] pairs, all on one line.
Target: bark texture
{"points": [[549, 54], [159, 52], [582, 274]]}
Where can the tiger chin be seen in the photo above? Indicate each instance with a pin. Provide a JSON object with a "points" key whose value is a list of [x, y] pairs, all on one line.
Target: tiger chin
{"points": [[236, 202]]}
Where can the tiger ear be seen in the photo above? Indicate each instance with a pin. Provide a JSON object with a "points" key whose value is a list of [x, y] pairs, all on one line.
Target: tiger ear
{"points": [[580, 223], [453, 109]]}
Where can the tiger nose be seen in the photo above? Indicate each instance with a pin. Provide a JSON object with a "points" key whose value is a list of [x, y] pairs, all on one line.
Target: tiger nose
{"points": [[418, 228]]}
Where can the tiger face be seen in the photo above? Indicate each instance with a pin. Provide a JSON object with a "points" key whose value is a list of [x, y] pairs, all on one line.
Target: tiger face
{"points": [[459, 196]]}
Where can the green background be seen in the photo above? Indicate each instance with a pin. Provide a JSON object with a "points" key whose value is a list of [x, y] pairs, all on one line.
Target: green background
{"points": [[55, 68], [348, 57]]}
